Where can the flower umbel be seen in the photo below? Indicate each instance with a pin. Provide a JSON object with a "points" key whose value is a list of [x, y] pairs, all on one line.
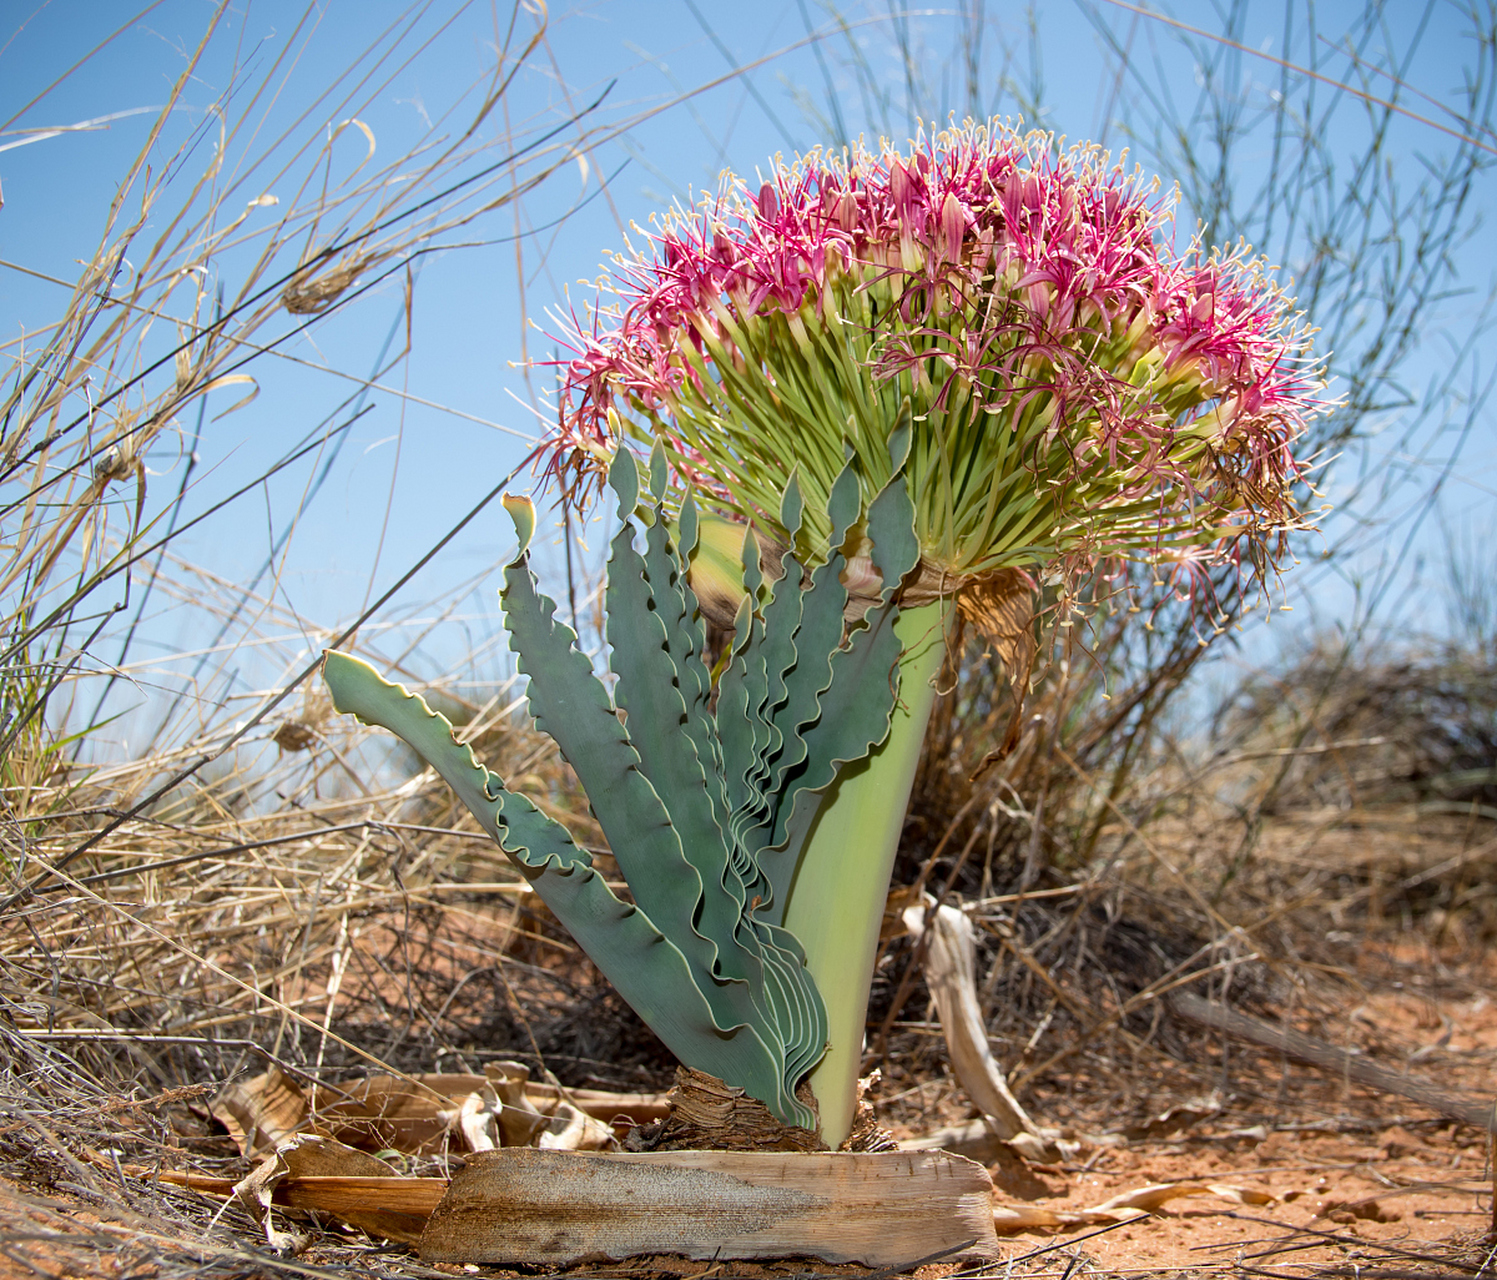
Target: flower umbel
{"points": [[1078, 389]]}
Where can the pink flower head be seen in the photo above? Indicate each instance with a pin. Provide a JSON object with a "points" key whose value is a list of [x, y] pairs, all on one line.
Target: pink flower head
{"points": [[1077, 387]]}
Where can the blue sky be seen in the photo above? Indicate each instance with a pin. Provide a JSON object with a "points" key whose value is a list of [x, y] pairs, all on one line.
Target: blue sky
{"points": [[455, 417]]}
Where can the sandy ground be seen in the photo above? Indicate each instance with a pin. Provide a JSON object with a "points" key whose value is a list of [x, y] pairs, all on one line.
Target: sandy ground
{"points": [[1411, 1195], [1357, 1178], [1330, 1178]]}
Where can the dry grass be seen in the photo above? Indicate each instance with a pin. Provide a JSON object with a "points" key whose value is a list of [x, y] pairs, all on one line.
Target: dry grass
{"points": [[200, 280], [377, 930], [264, 883]]}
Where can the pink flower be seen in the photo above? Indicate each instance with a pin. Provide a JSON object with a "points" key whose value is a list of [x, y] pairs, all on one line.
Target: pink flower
{"points": [[1034, 294]]}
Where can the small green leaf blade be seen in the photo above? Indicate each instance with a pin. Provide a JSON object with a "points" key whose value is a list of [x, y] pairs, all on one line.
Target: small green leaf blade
{"points": [[854, 707], [359, 690], [740, 700], [676, 603], [853, 719]]}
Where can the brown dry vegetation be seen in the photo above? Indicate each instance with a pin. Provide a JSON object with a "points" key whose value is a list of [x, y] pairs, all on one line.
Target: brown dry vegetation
{"points": [[386, 935], [1323, 858]]}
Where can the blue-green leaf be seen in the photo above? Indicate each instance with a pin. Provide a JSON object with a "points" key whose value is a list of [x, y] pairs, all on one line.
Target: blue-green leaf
{"points": [[570, 704], [645, 966], [648, 688]]}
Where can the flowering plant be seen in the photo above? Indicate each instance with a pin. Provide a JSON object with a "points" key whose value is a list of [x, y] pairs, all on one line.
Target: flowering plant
{"points": [[924, 379], [1074, 391]]}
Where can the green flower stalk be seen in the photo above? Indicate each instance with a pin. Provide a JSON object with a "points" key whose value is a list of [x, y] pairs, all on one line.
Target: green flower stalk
{"points": [[1074, 390]]}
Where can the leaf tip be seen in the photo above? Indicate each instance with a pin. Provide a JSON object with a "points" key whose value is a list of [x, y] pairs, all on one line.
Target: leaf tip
{"points": [[522, 512]]}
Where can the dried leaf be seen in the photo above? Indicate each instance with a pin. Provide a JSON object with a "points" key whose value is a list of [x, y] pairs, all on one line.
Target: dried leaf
{"points": [[422, 1114], [293, 735], [394, 1208], [365, 130], [1121, 1208], [951, 975], [1000, 608], [573, 1130], [261, 1114], [310, 293], [549, 1208], [1176, 1119], [1020, 1217], [1151, 1197], [414, 1114], [255, 1192], [313, 1172], [238, 404]]}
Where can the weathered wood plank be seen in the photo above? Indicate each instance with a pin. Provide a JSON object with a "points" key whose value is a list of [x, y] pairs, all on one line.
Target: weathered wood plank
{"points": [[884, 1209]]}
